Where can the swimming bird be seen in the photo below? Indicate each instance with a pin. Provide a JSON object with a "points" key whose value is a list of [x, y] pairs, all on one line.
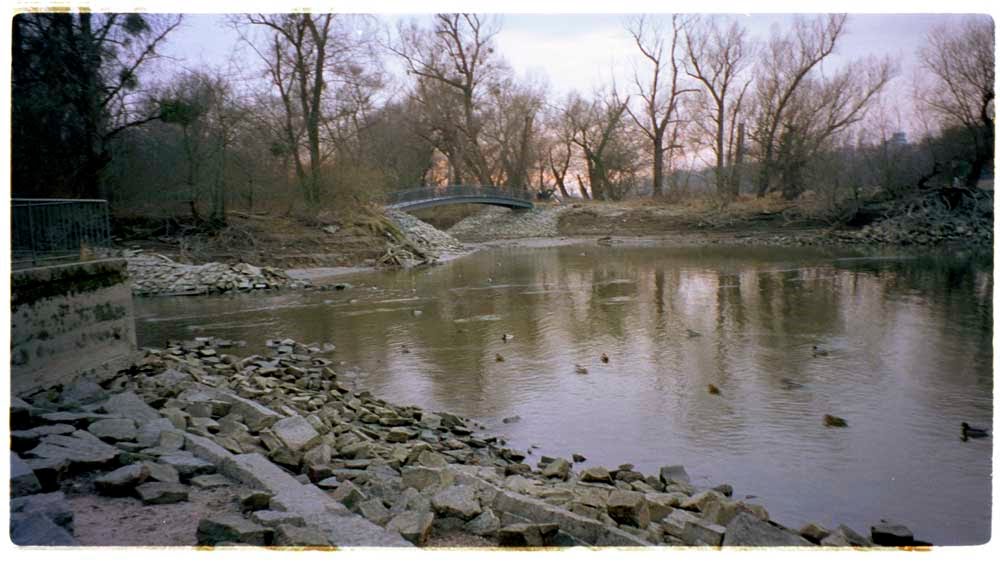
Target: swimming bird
{"points": [[817, 351], [605, 358], [713, 390], [405, 349], [830, 420], [507, 337], [789, 384], [499, 358], [693, 333], [970, 432], [580, 369]]}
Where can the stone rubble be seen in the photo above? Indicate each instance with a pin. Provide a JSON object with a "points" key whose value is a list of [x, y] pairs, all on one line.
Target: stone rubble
{"points": [[423, 234], [154, 274], [330, 466], [494, 223]]}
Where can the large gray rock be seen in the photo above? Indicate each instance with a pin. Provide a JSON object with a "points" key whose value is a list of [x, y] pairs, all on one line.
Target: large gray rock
{"points": [[231, 528], [421, 478], [596, 474], [349, 495], [255, 416], [628, 507], [22, 478], [747, 530], [813, 532], [527, 535], [662, 504], [150, 432], [487, 524], [702, 500], [458, 501], [700, 532], [274, 518], [114, 429], [187, 465], [82, 392], [677, 522], [559, 469], [844, 536], [51, 505], [122, 481], [296, 433], [129, 405], [22, 440], [414, 526], [162, 472], [671, 474], [891, 534], [20, 414], [50, 471], [375, 511], [162, 493], [588, 530], [81, 449], [287, 535], [37, 529]]}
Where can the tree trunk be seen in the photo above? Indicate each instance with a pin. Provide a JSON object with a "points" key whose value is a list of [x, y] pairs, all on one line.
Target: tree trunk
{"points": [[583, 188], [720, 151], [735, 175], [658, 165]]}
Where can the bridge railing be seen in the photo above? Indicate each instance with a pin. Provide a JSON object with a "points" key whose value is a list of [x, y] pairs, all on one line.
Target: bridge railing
{"points": [[437, 192], [53, 230]]}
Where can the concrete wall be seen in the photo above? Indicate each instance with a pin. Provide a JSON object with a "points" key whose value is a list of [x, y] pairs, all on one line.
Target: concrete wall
{"points": [[69, 320]]}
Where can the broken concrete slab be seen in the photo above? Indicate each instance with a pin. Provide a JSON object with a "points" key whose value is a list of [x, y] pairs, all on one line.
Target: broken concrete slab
{"points": [[187, 465], [413, 526], [231, 528], [122, 481], [39, 530], [114, 429], [130, 405], [162, 493], [51, 505], [81, 450], [457, 501], [747, 530], [296, 433], [527, 535], [22, 478]]}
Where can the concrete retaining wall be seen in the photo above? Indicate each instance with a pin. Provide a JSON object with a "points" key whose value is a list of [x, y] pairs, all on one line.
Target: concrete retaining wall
{"points": [[69, 320]]}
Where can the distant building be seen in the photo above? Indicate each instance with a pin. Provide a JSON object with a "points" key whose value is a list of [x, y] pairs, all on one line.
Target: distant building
{"points": [[898, 139]]}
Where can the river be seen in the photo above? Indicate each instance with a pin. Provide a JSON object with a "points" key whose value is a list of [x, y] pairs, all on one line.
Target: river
{"points": [[903, 352]]}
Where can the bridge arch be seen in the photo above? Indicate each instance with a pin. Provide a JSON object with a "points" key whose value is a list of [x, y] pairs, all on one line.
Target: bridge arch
{"points": [[421, 198]]}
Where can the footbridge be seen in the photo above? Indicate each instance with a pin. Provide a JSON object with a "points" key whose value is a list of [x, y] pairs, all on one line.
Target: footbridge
{"points": [[420, 198]]}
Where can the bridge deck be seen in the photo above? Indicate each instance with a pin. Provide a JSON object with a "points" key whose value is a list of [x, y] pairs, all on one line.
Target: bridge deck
{"points": [[421, 198]]}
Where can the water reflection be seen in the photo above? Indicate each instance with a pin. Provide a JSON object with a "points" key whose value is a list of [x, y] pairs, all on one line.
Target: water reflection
{"points": [[909, 345]]}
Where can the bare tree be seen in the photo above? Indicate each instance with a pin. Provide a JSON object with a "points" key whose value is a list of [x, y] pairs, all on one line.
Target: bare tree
{"points": [[822, 108], [960, 63], [661, 94], [787, 60], [598, 132], [314, 62], [718, 58], [456, 57]]}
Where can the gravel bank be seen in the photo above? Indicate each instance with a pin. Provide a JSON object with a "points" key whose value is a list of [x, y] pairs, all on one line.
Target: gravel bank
{"points": [[154, 274], [498, 223]]}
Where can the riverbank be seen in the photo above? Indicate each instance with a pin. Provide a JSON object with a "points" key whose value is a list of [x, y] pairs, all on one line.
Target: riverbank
{"points": [[278, 449], [285, 254]]}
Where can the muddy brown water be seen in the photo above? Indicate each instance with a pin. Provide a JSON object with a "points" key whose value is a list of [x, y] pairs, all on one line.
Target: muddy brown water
{"points": [[904, 355]]}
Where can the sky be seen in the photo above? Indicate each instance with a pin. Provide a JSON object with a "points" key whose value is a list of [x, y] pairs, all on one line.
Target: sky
{"points": [[583, 51]]}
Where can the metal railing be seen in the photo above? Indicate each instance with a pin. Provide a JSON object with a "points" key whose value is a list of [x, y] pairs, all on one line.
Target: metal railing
{"points": [[445, 192], [53, 230]]}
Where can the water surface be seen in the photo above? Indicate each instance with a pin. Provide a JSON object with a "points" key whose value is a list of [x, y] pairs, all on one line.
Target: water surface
{"points": [[905, 355]]}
